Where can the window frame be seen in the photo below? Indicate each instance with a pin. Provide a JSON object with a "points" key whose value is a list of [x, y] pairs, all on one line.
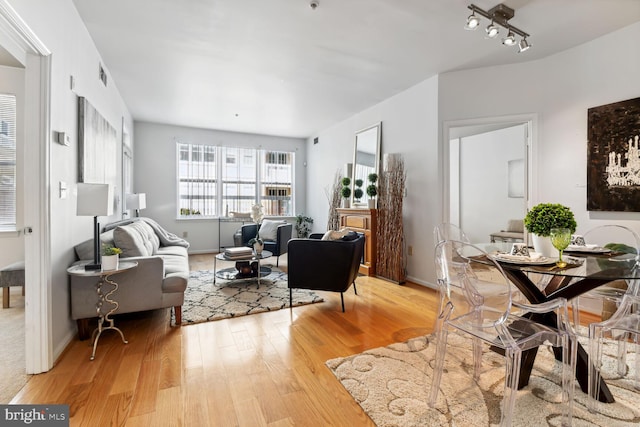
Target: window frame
{"points": [[240, 155]]}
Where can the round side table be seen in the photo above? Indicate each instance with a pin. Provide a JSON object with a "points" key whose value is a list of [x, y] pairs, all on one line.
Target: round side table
{"points": [[104, 277]]}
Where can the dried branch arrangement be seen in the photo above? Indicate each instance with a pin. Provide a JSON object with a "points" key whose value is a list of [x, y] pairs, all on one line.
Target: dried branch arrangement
{"points": [[334, 197], [390, 262]]}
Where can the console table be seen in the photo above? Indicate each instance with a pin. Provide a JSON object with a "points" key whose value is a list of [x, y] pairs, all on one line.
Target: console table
{"points": [[363, 221]]}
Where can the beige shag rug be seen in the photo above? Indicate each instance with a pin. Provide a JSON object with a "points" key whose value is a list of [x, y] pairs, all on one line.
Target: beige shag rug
{"points": [[13, 374], [391, 385], [205, 301]]}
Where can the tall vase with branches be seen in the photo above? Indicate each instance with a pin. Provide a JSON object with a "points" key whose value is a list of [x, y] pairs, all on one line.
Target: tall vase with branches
{"points": [[390, 263], [334, 198]]}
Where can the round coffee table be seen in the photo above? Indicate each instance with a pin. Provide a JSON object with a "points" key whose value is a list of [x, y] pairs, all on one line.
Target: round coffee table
{"points": [[247, 267]]}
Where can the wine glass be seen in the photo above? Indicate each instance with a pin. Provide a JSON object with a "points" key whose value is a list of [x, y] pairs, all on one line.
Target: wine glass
{"points": [[560, 238]]}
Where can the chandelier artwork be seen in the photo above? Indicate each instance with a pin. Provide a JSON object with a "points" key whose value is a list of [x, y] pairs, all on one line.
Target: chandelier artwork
{"points": [[499, 16]]}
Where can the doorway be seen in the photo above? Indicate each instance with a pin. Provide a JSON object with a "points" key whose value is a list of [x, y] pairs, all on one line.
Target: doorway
{"points": [[23, 45], [487, 173]]}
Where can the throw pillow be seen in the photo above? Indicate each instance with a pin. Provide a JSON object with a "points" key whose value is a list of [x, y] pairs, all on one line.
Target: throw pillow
{"points": [[131, 241], [339, 235], [351, 235], [269, 229]]}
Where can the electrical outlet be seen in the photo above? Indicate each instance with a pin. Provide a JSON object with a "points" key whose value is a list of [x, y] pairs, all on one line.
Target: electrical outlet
{"points": [[185, 234], [410, 250]]}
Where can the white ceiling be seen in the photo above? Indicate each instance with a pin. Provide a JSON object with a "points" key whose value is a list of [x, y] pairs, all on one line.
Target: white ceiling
{"points": [[277, 67]]}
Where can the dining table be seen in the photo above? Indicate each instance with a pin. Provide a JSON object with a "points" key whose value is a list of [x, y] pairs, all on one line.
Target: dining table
{"points": [[541, 280]]}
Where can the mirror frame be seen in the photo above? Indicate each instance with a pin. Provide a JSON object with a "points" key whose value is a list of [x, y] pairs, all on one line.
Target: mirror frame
{"points": [[377, 127]]}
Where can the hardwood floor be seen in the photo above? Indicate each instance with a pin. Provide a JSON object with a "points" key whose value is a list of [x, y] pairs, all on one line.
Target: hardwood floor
{"points": [[265, 369]]}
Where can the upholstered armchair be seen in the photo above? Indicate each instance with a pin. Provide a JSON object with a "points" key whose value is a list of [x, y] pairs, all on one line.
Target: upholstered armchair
{"points": [[275, 241], [324, 265]]}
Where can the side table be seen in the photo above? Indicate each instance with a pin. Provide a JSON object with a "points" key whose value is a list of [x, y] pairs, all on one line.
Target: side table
{"points": [[103, 278]]}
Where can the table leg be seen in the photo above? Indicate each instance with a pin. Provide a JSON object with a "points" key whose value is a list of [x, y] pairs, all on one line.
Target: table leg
{"points": [[102, 298], [535, 296], [215, 268]]}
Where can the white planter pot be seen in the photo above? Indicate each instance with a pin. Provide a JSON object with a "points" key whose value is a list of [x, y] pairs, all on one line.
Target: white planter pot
{"points": [[372, 203], [110, 262], [543, 245], [346, 203]]}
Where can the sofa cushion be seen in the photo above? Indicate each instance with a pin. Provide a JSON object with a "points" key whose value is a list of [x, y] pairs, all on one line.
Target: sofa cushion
{"points": [[269, 229], [133, 241]]}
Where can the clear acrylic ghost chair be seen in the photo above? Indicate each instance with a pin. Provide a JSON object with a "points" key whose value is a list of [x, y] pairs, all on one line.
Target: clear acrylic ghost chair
{"points": [[441, 232], [489, 319], [605, 235], [622, 326]]}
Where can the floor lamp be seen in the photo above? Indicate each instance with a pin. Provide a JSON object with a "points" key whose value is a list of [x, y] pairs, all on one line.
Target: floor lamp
{"points": [[95, 200], [136, 202]]}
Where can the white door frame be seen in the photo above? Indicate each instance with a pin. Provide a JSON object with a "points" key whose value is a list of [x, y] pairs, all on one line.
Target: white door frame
{"points": [[531, 120], [20, 40]]}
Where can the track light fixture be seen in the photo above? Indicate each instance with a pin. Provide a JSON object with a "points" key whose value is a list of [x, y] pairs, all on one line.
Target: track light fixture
{"points": [[499, 16]]}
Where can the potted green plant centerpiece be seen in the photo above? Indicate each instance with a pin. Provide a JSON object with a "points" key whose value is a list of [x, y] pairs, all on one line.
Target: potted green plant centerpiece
{"points": [[372, 190], [110, 257], [541, 219], [346, 191]]}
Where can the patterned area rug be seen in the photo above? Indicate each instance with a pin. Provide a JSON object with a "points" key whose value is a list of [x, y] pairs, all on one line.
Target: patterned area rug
{"points": [[390, 384], [204, 301]]}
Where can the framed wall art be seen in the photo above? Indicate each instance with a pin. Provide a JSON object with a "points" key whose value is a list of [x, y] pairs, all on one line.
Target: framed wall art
{"points": [[613, 157], [97, 146]]}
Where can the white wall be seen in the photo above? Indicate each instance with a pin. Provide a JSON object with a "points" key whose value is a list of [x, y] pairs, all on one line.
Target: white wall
{"points": [[410, 127], [484, 203], [154, 160], [58, 25], [12, 244], [559, 89]]}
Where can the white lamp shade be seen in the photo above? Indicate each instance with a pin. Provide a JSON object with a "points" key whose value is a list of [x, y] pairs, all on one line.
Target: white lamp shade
{"points": [[136, 201], [94, 200]]}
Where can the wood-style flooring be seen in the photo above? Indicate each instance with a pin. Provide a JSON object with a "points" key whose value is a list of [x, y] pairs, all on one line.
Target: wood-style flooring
{"points": [[260, 370]]}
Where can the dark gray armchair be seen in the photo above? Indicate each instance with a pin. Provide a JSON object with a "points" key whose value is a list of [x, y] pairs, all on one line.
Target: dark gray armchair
{"points": [[324, 265], [277, 246]]}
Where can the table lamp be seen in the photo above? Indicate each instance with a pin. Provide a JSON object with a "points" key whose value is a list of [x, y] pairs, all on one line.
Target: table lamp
{"points": [[136, 202], [95, 200]]}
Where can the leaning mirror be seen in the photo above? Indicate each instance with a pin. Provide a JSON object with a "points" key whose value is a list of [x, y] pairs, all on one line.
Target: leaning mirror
{"points": [[366, 156]]}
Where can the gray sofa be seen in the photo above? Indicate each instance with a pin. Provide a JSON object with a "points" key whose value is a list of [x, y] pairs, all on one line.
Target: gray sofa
{"points": [[159, 280]]}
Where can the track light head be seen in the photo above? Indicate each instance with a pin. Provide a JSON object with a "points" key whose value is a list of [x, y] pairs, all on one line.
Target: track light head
{"points": [[523, 45], [492, 30], [510, 40], [472, 21]]}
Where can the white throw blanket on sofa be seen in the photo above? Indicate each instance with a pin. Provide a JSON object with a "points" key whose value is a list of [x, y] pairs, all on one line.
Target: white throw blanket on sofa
{"points": [[166, 238]]}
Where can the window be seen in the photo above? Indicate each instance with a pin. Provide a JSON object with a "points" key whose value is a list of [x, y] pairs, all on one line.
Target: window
{"points": [[243, 177], [7, 162]]}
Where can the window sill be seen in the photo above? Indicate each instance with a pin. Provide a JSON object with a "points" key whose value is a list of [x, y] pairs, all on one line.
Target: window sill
{"points": [[9, 233]]}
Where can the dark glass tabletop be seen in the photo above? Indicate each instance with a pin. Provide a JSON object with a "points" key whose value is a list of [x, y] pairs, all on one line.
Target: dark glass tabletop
{"points": [[601, 266]]}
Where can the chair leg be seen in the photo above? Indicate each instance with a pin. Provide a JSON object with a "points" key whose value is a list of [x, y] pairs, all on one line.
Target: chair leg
{"points": [[342, 300], [278, 261], [355, 291], [290, 298]]}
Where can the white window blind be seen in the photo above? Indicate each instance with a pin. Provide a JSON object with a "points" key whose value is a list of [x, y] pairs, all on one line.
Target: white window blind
{"points": [[7, 162]]}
